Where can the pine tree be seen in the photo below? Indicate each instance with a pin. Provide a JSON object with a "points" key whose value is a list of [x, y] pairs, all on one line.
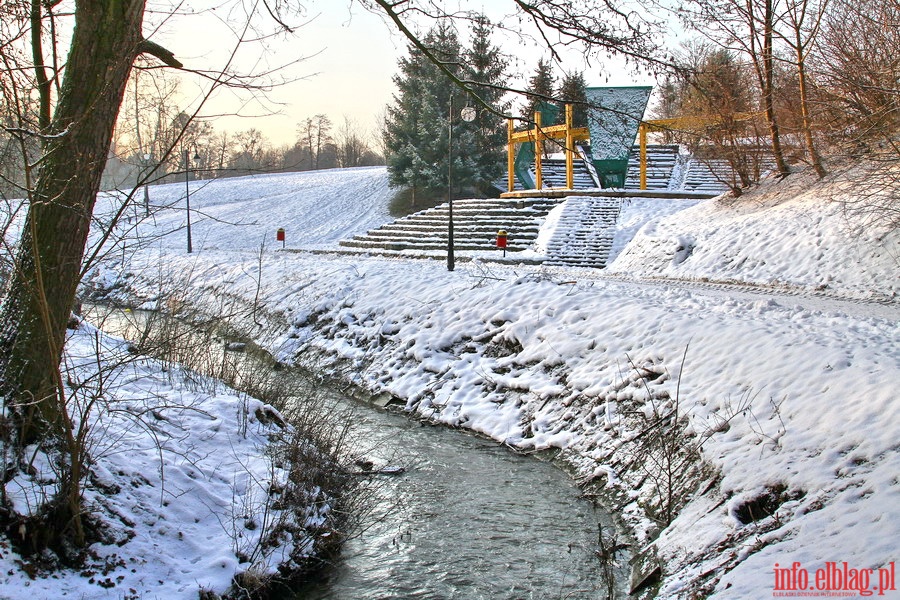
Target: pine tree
{"points": [[540, 89], [416, 131], [487, 65], [571, 91]]}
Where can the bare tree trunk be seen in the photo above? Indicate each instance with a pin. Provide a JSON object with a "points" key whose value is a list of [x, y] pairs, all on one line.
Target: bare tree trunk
{"points": [[797, 13], [106, 39], [769, 89], [806, 120], [40, 70]]}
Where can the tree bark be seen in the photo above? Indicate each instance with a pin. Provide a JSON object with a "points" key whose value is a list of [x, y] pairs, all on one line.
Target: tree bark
{"points": [[769, 88], [106, 38], [814, 157]]}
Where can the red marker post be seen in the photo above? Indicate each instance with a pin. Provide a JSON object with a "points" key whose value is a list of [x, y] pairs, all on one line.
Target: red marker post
{"points": [[501, 240], [279, 235]]}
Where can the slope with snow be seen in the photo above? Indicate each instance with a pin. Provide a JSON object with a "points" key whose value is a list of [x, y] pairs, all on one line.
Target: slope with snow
{"points": [[314, 207], [793, 233], [790, 396], [180, 467], [541, 361]]}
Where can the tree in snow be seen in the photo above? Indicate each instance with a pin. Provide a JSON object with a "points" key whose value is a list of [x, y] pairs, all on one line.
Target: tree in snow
{"points": [[712, 92], [416, 131], [63, 101], [74, 126], [572, 91], [315, 137], [857, 69], [748, 27], [487, 70], [541, 88], [352, 146]]}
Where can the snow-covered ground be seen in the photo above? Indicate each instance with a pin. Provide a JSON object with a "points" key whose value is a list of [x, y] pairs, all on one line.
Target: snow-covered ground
{"points": [[180, 468], [787, 398], [316, 208]]}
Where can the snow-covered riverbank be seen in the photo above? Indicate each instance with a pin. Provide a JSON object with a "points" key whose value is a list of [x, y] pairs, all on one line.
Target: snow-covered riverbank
{"points": [[786, 401]]}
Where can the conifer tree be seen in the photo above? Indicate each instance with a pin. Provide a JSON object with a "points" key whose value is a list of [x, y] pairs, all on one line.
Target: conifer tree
{"points": [[540, 89], [486, 65], [571, 91], [416, 131]]}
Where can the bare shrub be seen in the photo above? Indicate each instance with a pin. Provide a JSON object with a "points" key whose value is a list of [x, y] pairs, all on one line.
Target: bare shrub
{"points": [[313, 496]]}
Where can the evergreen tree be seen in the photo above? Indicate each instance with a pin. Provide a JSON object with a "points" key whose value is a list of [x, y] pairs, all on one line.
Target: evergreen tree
{"points": [[416, 131], [487, 65], [540, 89], [571, 91]]}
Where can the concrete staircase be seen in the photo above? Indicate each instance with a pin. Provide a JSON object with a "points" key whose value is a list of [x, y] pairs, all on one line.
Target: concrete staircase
{"points": [[584, 234], [553, 171], [707, 175], [662, 161], [475, 226], [664, 166]]}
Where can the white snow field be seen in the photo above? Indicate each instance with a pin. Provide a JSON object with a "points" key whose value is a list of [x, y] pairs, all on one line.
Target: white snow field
{"points": [[785, 383]]}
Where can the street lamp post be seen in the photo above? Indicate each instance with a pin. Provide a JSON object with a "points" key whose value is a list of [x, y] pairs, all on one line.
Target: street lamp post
{"points": [[451, 260], [467, 114], [147, 158], [187, 195]]}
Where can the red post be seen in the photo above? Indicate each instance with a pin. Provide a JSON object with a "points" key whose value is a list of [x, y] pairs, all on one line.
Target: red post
{"points": [[501, 240], [279, 235]]}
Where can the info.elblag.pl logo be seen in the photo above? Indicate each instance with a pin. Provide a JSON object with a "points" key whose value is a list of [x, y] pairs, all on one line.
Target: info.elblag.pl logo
{"points": [[834, 580]]}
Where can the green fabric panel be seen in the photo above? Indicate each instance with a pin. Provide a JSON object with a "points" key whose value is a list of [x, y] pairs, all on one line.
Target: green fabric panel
{"points": [[611, 172], [549, 113], [524, 158]]}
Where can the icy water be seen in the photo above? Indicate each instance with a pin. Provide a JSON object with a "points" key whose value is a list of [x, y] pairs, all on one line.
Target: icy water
{"points": [[467, 519]]}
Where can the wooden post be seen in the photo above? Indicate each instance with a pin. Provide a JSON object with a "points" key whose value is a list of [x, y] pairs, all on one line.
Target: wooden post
{"points": [[538, 151], [570, 149], [510, 157], [642, 136]]}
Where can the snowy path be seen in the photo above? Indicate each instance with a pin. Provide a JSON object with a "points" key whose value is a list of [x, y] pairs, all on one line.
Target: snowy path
{"points": [[784, 295]]}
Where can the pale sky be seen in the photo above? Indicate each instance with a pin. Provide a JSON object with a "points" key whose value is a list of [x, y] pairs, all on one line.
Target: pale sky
{"points": [[351, 59]]}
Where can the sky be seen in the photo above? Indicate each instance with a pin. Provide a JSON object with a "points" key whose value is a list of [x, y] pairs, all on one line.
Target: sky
{"points": [[349, 57]]}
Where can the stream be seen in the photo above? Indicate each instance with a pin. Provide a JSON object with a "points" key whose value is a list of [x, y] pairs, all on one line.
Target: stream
{"points": [[467, 519]]}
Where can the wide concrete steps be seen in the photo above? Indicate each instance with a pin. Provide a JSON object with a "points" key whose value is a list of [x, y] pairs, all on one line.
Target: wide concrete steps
{"points": [[553, 171], [584, 235], [662, 171], [661, 165], [707, 175], [475, 227]]}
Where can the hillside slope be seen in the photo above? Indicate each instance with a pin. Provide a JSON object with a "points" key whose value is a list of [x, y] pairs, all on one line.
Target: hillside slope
{"points": [[315, 208], [788, 411], [798, 232]]}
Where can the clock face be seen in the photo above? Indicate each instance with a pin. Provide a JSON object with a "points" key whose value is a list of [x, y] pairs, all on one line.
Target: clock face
{"points": [[467, 114]]}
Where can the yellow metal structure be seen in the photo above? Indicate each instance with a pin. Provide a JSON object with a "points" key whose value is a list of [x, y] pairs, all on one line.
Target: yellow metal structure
{"points": [[692, 124], [537, 135], [570, 134]]}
